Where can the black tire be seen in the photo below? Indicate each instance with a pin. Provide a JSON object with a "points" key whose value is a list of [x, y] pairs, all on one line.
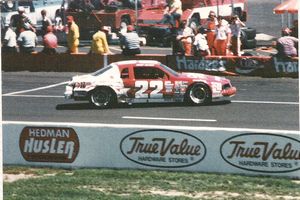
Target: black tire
{"points": [[198, 94], [249, 44], [250, 33], [103, 97]]}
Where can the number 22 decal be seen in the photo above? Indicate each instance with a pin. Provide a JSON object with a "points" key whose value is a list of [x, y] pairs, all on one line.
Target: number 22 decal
{"points": [[157, 86]]}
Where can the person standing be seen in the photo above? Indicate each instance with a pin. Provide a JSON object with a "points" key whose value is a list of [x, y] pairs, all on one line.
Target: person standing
{"points": [[130, 42], [50, 42], [235, 27], [45, 22], [201, 47], [185, 36], [210, 26], [72, 35], [99, 42], [27, 41], [10, 41], [223, 35], [21, 21]]}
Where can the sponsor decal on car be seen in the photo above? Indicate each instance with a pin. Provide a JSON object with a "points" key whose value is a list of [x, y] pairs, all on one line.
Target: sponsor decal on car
{"points": [[262, 152], [49, 144], [163, 148]]}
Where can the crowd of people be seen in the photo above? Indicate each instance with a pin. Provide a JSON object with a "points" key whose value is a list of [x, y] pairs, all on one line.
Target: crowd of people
{"points": [[216, 37]]}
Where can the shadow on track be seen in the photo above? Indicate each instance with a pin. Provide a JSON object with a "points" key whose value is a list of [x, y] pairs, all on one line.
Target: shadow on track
{"points": [[88, 106]]}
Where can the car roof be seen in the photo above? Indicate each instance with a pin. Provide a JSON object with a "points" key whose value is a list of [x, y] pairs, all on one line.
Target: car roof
{"points": [[137, 62]]}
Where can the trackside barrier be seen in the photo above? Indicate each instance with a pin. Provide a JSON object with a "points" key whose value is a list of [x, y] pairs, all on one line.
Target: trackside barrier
{"points": [[195, 149], [263, 66]]}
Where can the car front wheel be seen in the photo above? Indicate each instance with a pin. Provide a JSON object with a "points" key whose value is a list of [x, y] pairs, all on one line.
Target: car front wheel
{"points": [[102, 97], [198, 94]]}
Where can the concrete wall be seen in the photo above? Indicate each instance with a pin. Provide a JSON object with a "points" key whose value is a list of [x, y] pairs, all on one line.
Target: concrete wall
{"points": [[217, 65], [197, 149]]}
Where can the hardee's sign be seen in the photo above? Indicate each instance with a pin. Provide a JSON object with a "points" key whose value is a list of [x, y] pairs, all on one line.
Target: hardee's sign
{"points": [[49, 144]]}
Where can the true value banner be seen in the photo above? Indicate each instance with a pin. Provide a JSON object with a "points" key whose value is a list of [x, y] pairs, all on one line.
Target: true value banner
{"points": [[197, 149]]}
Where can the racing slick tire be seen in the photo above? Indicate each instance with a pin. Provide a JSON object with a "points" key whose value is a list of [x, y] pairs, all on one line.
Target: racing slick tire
{"points": [[103, 97], [249, 44], [198, 94], [250, 33]]}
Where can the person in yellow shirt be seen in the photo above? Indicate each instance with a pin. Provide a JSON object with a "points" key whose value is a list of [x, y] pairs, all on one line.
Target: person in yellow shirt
{"points": [[99, 42], [73, 35]]}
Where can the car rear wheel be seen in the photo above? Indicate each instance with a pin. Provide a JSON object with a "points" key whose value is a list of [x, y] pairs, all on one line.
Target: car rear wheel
{"points": [[198, 94], [102, 97]]}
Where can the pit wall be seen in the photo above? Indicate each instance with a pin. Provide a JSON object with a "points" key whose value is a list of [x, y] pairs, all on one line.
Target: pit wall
{"points": [[194, 149], [263, 66]]}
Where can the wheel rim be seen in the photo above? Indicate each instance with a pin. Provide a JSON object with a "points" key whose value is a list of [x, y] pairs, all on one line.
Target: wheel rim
{"points": [[198, 94], [101, 98]]}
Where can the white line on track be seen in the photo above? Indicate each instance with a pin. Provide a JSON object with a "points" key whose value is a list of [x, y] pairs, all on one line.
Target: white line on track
{"points": [[267, 102], [169, 119], [97, 125], [35, 89]]}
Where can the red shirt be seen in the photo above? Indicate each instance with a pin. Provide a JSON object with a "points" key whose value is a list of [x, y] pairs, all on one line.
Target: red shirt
{"points": [[50, 40]]}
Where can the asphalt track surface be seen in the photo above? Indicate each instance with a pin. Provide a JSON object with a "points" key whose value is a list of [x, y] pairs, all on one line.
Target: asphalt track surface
{"points": [[261, 103]]}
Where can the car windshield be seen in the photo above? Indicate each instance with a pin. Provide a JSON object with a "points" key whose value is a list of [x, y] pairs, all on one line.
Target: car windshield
{"points": [[174, 73], [101, 71]]}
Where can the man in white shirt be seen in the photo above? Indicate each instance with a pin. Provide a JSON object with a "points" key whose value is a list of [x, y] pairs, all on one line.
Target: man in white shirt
{"points": [[27, 41], [223, 36], [10, 41]]}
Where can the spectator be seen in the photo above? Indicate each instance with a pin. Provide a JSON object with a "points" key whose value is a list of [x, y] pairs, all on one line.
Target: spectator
{"points": [[45, 22], [10, 41], [50, 42], [172, 12], [27, 41], [99, 42], [20, 21], [185, 36], [72, 35], [286, 45], [211, 29], [177, 47], [201, 47], [223, 35], [294, 29], [235, 27], [130, 42]]}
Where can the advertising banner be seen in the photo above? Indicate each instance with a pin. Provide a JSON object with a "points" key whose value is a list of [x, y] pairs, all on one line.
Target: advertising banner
{"points": [[238, 151]]}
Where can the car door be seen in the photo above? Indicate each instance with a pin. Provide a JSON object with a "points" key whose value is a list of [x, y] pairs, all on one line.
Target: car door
{"points": [[149, 84]]}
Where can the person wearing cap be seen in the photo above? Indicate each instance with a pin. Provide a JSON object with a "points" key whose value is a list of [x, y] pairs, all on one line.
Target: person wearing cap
{"points": [[235, 27], [72, 35], [45, 22], [130, 42], [210, 26], [99, 42], [50, 42], [222, 38], [27, 41], [286, 45], [21, 20]]}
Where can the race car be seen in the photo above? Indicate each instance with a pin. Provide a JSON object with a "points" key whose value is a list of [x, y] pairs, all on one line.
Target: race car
{"points": [[146, 81]]}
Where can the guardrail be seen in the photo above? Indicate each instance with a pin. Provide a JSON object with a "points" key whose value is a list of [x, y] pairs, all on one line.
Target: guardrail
{"points": [[264, 66]]}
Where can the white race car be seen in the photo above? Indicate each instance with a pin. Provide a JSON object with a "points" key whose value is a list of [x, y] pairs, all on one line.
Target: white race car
{"points": [[144, 81]]}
